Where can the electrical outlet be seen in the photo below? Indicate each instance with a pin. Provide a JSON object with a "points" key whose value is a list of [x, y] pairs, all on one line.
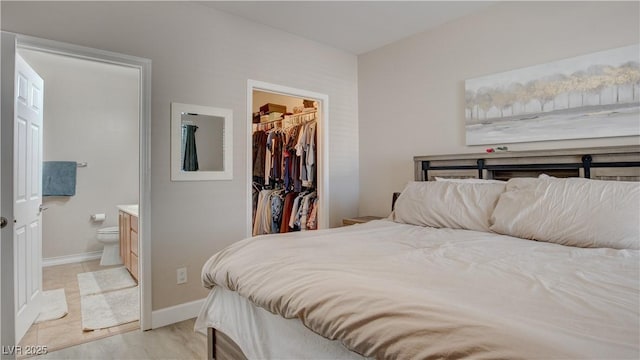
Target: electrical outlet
{"points": [[181, 275]]}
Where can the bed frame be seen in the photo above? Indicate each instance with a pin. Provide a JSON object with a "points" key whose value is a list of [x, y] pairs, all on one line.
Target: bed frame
{"points": [[621, 163], [221, 347]]}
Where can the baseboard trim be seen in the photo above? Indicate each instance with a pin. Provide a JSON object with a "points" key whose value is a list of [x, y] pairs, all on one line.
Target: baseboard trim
{"points": [[173, 314], [70, 259]]}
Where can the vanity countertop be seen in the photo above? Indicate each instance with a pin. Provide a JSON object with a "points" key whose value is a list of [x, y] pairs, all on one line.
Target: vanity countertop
{"points": [[129, 209]]}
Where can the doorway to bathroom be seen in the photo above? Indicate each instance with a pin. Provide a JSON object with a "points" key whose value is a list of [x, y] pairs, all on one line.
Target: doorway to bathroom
{"points": [[91, 190]]}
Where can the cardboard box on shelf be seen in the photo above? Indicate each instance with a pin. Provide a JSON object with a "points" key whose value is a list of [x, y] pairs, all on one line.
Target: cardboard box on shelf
{"points": [[269, 108]]}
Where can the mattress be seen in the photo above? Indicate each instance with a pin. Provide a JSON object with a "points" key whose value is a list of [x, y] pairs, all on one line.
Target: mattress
{"points": [[263, 335], [391, 291]]}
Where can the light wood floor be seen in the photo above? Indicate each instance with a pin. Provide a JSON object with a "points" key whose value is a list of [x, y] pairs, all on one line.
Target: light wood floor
{"points": [[67, 331], [177, 341]]}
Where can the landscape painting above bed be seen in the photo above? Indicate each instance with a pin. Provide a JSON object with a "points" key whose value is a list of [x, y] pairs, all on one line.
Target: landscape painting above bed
{"points": [[589, 96]]}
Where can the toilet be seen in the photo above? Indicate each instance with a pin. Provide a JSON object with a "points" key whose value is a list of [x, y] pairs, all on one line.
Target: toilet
{"points": [[110, 237]]}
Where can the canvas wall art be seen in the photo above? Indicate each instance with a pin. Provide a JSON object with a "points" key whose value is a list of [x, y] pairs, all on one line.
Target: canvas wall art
{"points": [[590, 96]]}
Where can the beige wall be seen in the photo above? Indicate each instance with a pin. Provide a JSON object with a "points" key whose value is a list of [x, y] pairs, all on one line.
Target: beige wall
{"points": [[203, 56], [411, 93], [91, 115]]}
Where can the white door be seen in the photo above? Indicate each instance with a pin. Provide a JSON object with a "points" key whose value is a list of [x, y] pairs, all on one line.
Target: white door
{"points": [[27, 195]]}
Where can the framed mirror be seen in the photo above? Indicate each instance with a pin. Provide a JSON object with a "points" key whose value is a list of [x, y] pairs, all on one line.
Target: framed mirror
{"points": [[201, 143]]}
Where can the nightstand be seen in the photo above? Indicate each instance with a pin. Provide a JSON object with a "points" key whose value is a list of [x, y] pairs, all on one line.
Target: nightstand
{"points": [[359, 220]]}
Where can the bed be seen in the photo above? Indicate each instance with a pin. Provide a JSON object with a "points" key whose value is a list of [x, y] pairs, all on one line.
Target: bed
{"points": [[536, 267]]}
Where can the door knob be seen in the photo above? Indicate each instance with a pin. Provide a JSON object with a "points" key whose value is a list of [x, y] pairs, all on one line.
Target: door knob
{"points": [[42, 208], [3, 222]]}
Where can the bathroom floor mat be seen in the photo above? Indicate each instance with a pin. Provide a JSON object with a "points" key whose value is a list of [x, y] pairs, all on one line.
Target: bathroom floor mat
{"points": [[102, 281], [109, 309], [54, 305]]}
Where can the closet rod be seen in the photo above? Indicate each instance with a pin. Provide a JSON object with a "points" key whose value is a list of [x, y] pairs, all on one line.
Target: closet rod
{"points": [[282, 119], [304, 112], [258, 126], [297, 123], [268, 122]]}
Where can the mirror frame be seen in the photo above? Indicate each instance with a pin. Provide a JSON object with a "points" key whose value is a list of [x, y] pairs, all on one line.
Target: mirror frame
{"points": [[177, 109]]}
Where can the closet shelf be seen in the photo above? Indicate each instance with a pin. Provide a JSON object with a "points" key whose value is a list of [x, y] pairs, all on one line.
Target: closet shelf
{"points": [[290, 116]]}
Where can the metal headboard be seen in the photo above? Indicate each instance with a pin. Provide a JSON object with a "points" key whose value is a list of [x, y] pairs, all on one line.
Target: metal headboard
{"points": [[608, 163]]}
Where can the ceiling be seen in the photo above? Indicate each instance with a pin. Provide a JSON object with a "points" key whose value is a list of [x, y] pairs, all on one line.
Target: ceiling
{"points": [[354, 26]]}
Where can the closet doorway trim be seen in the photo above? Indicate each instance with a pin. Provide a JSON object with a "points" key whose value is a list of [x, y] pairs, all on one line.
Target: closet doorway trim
{"points": [[323, 146]]}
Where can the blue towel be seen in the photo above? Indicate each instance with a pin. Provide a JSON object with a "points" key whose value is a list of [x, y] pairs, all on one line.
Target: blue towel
{"points": [[59, 178]]}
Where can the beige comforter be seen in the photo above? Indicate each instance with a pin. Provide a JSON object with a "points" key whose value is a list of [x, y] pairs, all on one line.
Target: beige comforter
{"points": [[394, 291]]}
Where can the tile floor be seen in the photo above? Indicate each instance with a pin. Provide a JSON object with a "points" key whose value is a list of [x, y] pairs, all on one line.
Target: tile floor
{"points": [[67, 331]]}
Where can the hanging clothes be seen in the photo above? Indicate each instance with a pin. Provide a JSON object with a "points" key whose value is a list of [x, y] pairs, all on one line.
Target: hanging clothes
{"points": [[276, 212], [190, 161], [263, 220], [259, 150], [305, 210], [278, 141], [312, 221], [284, 174], [268, 158], [310, 155], [294, 221], [286, 211]]}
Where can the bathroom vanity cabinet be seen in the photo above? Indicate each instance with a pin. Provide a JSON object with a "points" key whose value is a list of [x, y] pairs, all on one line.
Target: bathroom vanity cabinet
{"points": [[128, 224]]}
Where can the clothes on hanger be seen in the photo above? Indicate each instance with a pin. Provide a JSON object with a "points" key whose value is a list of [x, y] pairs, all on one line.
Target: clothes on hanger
{"points": [[286, 155], [259, 152], [263, 218], [302, 215], [284, 175], [277, 212], [286, 211]]}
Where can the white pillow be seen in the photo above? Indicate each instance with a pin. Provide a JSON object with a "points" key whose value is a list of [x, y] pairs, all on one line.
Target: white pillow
{"points": [[445, 204], [574, 212], [471, 180], [546, 176]]}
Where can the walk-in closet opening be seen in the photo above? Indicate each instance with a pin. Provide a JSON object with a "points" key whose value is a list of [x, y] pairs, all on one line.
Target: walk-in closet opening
{"points": [[287, 172]]}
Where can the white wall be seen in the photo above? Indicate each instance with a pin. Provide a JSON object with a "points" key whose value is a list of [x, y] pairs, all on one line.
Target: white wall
{"points": [[91, 115], [205, 57], [411, 93]]}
